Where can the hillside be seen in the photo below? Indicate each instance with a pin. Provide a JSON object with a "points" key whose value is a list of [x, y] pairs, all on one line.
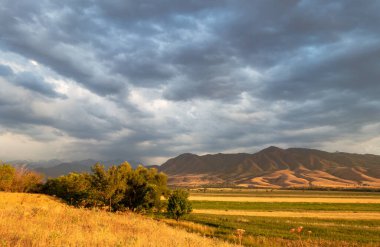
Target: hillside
{"points": [[39, 220], [276, 167]]}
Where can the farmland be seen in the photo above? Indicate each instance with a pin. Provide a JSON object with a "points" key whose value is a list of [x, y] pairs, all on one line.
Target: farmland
{"points": [[328, 218]]}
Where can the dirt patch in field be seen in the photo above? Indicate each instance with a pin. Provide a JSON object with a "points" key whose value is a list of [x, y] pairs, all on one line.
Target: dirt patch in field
{"points": [[320, 215]]}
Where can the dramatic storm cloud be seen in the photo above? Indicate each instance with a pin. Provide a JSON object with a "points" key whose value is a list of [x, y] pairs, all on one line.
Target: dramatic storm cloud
{"points": [[147, 80]]}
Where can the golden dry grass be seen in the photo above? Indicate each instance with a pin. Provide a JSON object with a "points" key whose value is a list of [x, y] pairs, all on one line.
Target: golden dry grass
{"points": [[39, 220], [283, 199], [191, 226], [290, 214]]}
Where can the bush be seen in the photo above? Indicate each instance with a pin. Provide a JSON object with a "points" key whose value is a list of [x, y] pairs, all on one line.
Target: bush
{"points": [[179, 204], [19, 179], [7, 176]]}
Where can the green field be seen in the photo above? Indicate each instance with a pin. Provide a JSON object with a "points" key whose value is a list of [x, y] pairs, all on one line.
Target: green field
{"points": [[287, 206], [273, 229], [334, 232], [284, 193]]}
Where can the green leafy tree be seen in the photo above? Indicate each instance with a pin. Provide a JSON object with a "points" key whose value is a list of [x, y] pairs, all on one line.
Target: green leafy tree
{"points": [[136, 191], [144, 189], [101, 189], [74, 188], [118, 188], [109, 186], [179, 204]]}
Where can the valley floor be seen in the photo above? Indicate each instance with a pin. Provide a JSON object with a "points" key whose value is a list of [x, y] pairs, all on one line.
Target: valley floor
{"points": [[266, 216], [328, 218]]}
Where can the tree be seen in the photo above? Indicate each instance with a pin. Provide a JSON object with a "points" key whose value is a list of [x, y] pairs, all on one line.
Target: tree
{"points": [[7, 176], [144, 189], [107, 186], [73, 188], [179, 204], [26, 180], [118, 188], [19, 179]]}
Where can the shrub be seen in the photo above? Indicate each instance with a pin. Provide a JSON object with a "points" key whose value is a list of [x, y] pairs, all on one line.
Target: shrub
{"points": [[179, 204], [19, 179], [7, 176]]}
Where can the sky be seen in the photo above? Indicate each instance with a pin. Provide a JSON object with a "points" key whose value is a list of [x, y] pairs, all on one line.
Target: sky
{"points": [[150, 79]]}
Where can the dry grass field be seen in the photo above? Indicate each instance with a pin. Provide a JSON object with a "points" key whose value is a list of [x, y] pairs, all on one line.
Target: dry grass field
{"points": [[39, 220]]}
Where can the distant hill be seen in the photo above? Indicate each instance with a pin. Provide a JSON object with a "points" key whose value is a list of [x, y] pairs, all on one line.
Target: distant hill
{"points": [[35, 164], [275, 167], [76, 166]]}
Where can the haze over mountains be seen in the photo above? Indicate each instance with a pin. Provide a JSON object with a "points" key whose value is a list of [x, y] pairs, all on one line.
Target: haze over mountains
{"points": [[270, 167], [276, 167], [55, 168]]}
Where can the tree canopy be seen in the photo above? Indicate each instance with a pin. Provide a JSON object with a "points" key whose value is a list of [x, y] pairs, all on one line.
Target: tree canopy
{"points": [[18, 179], [118, 188], [179, 204]]}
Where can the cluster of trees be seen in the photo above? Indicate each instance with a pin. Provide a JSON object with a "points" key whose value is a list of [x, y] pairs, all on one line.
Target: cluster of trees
{"points": [[19, 179], [118, 188]]}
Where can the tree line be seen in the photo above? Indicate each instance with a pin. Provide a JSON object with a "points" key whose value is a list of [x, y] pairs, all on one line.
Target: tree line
{"points": [[117, 188]]}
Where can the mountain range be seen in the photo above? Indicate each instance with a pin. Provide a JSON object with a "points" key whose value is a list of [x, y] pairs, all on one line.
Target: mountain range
{"points": [[55, 168], [271, 167], [275, 167]]}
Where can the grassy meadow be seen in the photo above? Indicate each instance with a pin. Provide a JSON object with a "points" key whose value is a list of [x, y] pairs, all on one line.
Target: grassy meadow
{"points": [[267, 218], [328, 218], [40, 220]]}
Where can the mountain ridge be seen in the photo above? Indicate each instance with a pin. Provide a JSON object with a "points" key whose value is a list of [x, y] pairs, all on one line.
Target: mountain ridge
{"points": [[275, 167]]}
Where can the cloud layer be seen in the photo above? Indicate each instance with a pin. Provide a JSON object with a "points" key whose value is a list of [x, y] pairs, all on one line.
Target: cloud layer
{"points": [[146, 80]]}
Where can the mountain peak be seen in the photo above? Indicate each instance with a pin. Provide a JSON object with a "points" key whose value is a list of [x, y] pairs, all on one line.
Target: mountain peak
{"points": [[187, 155], [272, 149]]}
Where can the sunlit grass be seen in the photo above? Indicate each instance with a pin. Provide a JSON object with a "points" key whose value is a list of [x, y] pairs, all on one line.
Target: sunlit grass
{"points": [[39, 220], [274, 231], [326, 222]]}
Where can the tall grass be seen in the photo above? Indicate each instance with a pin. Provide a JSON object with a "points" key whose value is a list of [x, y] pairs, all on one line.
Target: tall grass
{"points": [[39, 220]]}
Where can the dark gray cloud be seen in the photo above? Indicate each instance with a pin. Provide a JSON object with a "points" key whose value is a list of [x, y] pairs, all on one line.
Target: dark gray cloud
{"points": [[36, 83], [147, 79]]}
